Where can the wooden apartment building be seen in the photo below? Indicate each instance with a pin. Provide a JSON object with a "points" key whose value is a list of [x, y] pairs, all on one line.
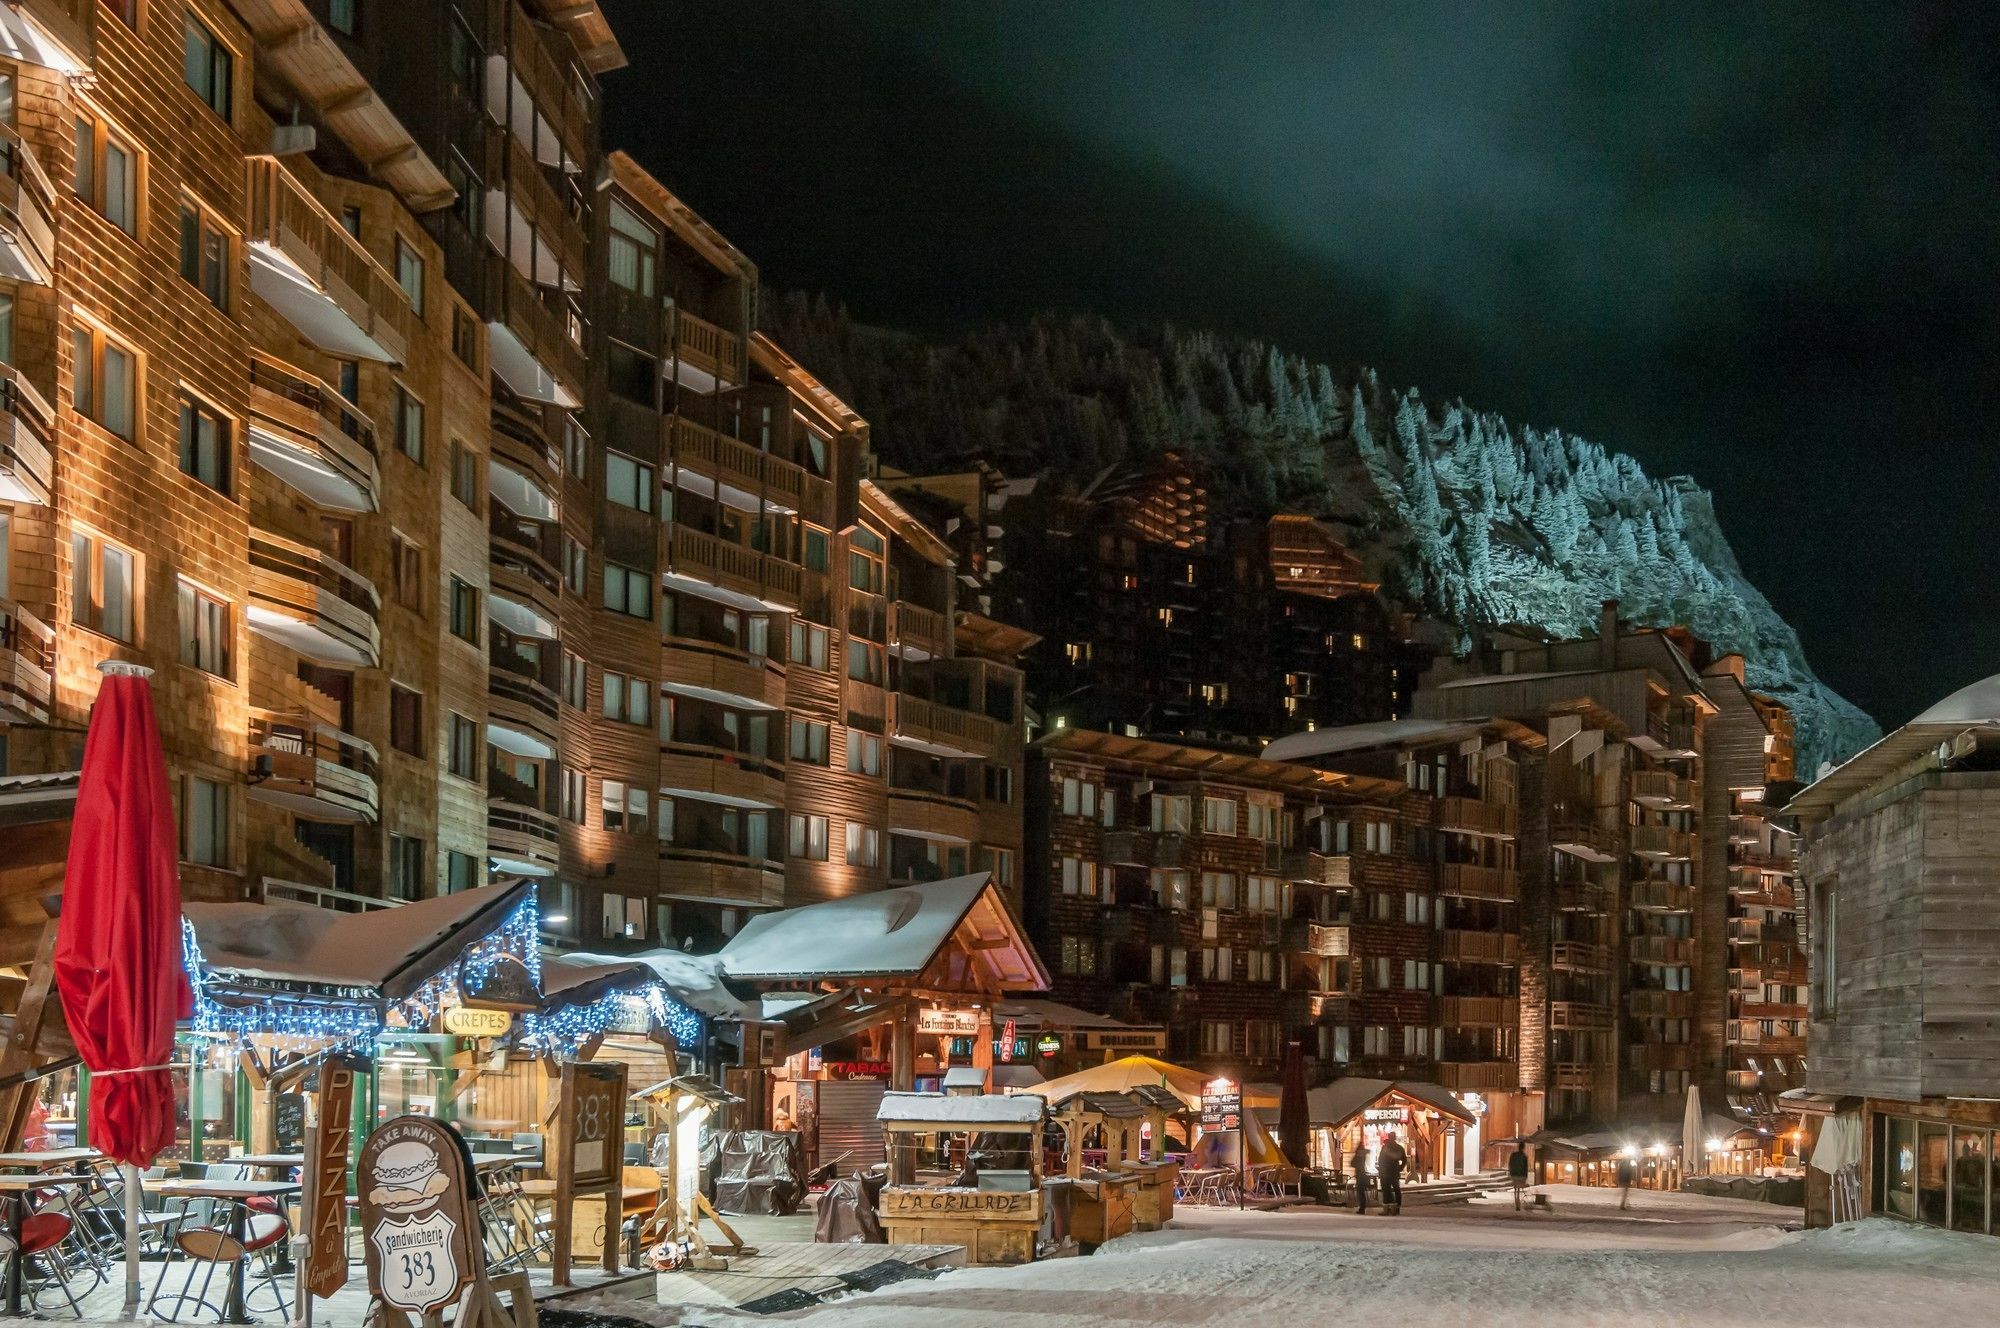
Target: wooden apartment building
{"points": [[427, 453]]}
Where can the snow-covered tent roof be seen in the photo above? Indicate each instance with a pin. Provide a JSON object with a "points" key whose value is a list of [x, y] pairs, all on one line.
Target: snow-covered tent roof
{"points": [[1976, 707], [575, 980], [975, 1109], [1128, 1072], [896, 934], [389, 952], [693, 980]]}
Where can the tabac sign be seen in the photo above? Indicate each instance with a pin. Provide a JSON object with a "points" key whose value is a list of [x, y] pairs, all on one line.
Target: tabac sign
{"points": [[417, 1221]]}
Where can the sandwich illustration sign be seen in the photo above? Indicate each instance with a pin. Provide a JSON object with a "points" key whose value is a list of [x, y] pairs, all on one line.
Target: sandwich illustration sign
{"points": [[416, 1214]]}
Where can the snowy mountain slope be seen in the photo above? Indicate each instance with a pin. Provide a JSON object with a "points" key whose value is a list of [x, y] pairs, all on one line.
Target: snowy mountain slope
{"points": [[1464, 516]]}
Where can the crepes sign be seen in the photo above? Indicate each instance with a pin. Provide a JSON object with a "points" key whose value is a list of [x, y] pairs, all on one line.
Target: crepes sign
{"points": [[419, 1229]]}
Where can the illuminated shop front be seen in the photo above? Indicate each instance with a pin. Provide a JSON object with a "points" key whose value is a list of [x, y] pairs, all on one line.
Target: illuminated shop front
{"points": [[1440, 1130]]}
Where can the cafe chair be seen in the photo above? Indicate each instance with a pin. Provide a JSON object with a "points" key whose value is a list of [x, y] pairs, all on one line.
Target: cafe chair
{"points": [[204, 1251], [265, 1234], [42, 1235]]}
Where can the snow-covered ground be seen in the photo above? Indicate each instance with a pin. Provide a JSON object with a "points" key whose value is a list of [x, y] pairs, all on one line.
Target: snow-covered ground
{"points": [[1674, 1260]]}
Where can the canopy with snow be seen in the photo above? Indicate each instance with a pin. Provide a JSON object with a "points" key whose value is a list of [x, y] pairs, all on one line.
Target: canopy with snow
{"points": [[956, 936], [1973, 709], [1125, 1074]]}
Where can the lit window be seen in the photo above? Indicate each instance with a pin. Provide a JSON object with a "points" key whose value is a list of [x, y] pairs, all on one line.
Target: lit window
{"points": [[102, 587], [627, 482], [204, 822], [410, 274], [409, 425], [208, 67], [628, 590], [104, 384], [205, 255], [204, 445], [633, 246], [205, 630]]}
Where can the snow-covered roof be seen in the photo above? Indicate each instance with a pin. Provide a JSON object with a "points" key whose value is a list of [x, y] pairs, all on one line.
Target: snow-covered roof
{"points": [[693, 980], [893, 933], [575, 980], [971, 1109], [1054, 1014], [1974, 707], [1359, 737], [1331, 1104], [390, 951]]}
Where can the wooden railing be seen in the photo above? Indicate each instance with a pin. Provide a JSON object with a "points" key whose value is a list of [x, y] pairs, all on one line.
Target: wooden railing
{"points": [[72, 24], [922, 719], [1662, 842], [1581, 956], [1647, 1004], [539, 541], [312, 415], [284, 214], [1474, 882], [295, 753], [1479, 1011], [27, 438], [1472, 816], [708, 347], [699, 447], [1662, 896], [549, 86], [28, 203], [1328, 940], [27, 664], [914, 625], [1662, 786], [1478, 1076], [1672, 950], [317, 588], [1578, 1016], [1479, 946], [1308, 864], [1575, 1076], [732, 566]]}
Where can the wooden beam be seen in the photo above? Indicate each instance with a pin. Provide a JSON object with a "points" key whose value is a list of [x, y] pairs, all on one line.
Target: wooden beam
{"points": [[20, 1053]]}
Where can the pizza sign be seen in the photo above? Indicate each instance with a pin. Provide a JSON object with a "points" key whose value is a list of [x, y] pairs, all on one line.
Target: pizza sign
{"points": [[421, 1235]]}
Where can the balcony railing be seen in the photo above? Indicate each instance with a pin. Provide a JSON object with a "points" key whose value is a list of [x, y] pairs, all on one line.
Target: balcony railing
{"points": [[1647, 1004], [733, 567], [1331, 940], [27, 665], [551, 88], [1478, 1076], [307, 434], [914, 627], [1580, 956], [550, 338], [313, 602], [27, 437], [1479, 1011], [1662, 842], [519, 833], [1576, 1076], [312, 769], [1578, 830], [1578, 1016], [733, 461], [1475, 817], [1467, 881], [1144, 848], [1479, 947], [27, 213], [938, 725], [1662, 897], [703, 345], [285, 218], [1306, 864], [1663, 950], [1582, 897], [535, 546], [1662, 788]]}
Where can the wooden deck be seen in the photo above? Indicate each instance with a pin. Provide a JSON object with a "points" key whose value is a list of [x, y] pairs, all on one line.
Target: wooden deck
{"points": [[801, 1265]]}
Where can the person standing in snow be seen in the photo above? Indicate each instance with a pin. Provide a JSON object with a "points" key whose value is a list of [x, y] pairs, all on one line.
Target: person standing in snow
{"points": [[1390, 1159], [1517, 1171], [1359, 1161], [1628, 1173]]}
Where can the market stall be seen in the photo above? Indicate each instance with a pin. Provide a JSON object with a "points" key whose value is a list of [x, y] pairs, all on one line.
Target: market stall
{"points": [[996, 1215], [1436, 1128], [1103, 1204]]}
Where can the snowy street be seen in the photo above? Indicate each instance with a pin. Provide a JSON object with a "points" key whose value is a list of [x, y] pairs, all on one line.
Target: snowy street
{"points": [[1675, 1259]]}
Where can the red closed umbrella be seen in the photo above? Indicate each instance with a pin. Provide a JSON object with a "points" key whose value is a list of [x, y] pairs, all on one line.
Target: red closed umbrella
{"points": [[118, 958], [1292, 1108]]}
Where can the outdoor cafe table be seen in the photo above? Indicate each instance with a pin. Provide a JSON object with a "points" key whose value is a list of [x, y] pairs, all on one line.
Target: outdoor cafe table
{"points": [[36, 1160], [234, 1192], [17, 1189], [267, 1162]]}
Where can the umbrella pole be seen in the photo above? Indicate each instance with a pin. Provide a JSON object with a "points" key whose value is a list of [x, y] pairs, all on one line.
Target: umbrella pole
{"points": [[131, 1241]]}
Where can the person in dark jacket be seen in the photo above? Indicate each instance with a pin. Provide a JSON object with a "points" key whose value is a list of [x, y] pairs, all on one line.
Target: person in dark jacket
{"points": [[1359, 1162], [1628, 1175], [1517, 1172], [1390, 1159]]}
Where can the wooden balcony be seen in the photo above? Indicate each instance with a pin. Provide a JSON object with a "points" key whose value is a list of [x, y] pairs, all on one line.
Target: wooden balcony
{"points": [[1479, 1011], [1310, 865], [1580, 957], [61, 35], [1330, 940], [521, 838], [523, 712], [916, 630], [1580, 833], [308, 435], [1757, 1042], [1479, 947], [27, 439], [1578, 1016], [1466, 881], [708, 350], [316, 275], [1310, 1007], [1771, 1010], [313, 603], [755, 680], [942, 729], [1145, 848], [27, 665], [1661, 897], [717, 876], [312, 769], [698, 768], [1646, 1004], [703, 557], [926, 814], [532, 547], [1582, 897], [1662, 843], [553, 92], [1478, 1076], [1577, 1076], [536, 346], [27, 214], [1475, 817], [735, 463], [1756, 891], [1662, 950], [1649, 1056], [519, 441], [1663, 789]]}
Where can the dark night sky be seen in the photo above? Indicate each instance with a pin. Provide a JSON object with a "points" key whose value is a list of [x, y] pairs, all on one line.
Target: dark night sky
{"points": [[1758, 244]]}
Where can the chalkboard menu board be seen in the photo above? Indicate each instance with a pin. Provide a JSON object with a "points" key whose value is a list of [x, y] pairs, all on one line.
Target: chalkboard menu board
{"points": [[288, 1121]]}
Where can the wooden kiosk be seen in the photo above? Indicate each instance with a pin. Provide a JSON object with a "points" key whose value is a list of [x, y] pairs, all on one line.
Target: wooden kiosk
{"points": [[996, 1220], [1157, 1175], [1101, 1207]]}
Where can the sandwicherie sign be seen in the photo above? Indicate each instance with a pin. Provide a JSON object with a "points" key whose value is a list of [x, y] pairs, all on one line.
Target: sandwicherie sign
{"points": [[418, 1226]]}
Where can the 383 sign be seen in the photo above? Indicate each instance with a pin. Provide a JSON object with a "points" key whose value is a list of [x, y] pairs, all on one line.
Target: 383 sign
{"points": [[418, 1226]]}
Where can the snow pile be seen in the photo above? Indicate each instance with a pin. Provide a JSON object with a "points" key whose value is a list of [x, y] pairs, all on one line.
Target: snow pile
{"points": [[970, 1109]]}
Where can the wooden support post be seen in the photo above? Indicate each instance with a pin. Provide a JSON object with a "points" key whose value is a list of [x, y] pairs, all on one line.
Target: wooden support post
{"points": [[20, 1052]]}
